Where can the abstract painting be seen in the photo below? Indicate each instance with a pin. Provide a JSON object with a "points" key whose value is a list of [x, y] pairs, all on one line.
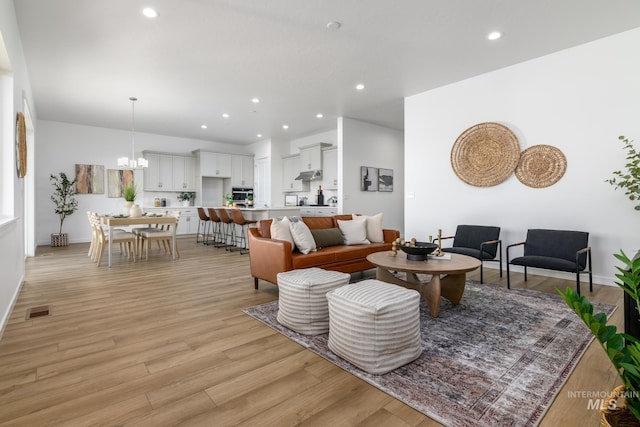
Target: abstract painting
{"points": [[117, 180], [385, 179], [368, 178], [89, 179]]}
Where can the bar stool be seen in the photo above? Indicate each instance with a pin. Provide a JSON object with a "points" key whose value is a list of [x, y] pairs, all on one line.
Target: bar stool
{"points": [[228, 229], [239, 219], [205, 221], [216, 227]]}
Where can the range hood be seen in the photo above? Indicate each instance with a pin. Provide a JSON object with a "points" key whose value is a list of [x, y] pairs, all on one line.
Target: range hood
{"points": [[310, 175]]}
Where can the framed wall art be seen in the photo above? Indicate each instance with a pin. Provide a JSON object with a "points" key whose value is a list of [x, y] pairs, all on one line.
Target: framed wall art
{"points": [[385, 179], [368, 178], [117, 180], [89, 179]]}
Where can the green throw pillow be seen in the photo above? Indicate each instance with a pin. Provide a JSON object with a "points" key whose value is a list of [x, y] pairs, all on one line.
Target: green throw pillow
{"points": [[327, 237]]}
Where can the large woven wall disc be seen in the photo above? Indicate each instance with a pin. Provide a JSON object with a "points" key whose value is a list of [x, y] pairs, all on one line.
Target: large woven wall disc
{"points": [[21, 146], [541, 166], [485, 154]]}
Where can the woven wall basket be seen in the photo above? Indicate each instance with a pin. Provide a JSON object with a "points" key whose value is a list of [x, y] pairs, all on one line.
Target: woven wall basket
{"points": [[485, 154], [541, 166]]}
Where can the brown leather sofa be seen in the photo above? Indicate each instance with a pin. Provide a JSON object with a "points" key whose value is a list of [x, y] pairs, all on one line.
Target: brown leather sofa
{"points": [[268, 256]]}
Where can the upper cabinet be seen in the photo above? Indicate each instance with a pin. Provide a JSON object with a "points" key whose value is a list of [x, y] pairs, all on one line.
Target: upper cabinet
{"points": [[330, 169], [184, 173], [311, 157], [158, 176], [241, 171], [216, 165], [290, 170], [168, 172]]}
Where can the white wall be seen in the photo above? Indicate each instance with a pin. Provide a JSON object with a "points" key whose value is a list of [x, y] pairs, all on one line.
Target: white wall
{"points": [[578, 100], [365, 144], [15, 90], [59, 146]]}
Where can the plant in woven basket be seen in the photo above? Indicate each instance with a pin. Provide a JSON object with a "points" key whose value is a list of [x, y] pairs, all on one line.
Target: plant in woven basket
{"points": [[629, 180], [625, 358], [63, 196]]}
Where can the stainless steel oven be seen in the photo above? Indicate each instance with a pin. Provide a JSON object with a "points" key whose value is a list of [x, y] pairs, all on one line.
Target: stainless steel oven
{"points": [[241, 195]]}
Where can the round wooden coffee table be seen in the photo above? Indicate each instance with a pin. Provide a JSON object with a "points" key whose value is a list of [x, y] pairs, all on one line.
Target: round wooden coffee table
{"points": [[451, 286]]}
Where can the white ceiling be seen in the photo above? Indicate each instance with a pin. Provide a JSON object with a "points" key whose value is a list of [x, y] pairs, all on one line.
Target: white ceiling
{"points": [[201, 58]]}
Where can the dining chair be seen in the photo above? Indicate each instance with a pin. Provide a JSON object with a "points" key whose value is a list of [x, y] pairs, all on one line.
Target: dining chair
{"points": [[127, 240], [162, 235]]}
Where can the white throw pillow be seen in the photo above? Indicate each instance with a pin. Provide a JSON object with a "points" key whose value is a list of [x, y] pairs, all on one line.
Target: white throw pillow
{"points": [[280, 230], [302, 236], [354, 231], [374, 227]]}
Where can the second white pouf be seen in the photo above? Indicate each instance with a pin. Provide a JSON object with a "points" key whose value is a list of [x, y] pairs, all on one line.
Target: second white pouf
{"points": [[375, 325], [302, 301]]}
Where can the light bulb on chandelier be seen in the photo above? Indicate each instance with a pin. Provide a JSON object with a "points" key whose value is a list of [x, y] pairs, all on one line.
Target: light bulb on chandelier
{"points": [[125, 162]]}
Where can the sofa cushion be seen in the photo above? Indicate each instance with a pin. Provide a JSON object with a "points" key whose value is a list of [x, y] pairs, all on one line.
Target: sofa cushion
{"points": [[302, 236], [354, 231], [374, 227], [281, 230], [318, 258], [327, 237], [319, 222]]}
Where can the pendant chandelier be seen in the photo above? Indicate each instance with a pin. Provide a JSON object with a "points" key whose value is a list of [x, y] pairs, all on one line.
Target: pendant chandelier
{"points": [[125, 162]]}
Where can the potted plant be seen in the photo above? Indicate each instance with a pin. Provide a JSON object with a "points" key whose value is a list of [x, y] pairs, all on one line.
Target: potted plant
{"points": [[65, 204], [186, 197], [228, 199], [623, 405], [129, 192], [249, 200]]}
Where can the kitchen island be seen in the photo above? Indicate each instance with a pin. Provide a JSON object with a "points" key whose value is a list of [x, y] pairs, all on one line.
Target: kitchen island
{"points": [[265, 213]]}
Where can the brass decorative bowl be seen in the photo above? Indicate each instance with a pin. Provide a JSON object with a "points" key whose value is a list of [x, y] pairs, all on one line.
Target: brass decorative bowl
{"points": [[419, 252]]}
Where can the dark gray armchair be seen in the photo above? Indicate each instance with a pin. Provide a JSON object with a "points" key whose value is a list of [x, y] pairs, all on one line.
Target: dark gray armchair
{"points": [[559, 250], [478, 241]]}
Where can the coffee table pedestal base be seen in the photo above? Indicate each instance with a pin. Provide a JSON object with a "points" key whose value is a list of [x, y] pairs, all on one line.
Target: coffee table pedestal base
{"points": [[450, 287]]}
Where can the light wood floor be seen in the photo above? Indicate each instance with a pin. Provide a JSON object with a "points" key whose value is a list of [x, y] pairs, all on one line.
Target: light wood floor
{"points": [[166, 343]]}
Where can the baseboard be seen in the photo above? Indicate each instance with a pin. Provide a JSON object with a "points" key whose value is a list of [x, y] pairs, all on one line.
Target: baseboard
{"points": [[7, 314]]}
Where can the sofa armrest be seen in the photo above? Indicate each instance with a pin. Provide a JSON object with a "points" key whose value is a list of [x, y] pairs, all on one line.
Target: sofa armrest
{"points": [[390, 235], [268, 257]]}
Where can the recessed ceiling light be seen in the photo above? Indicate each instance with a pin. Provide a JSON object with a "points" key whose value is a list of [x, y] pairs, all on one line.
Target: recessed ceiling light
{"points": [[225, 115], [255, 100], [319, 115], [259, 135], [359, 86], [149, 13], [203, 126], [334, 25], [285, 127], [494, 35]]}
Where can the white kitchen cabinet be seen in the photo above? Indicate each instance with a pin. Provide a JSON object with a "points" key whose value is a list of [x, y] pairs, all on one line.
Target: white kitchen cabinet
{"points": [[290, 170], [241, 171], [188, 223], [184, 173], [317, 211], [311, 157], [158, 176], [330, 169], [216, 165]]}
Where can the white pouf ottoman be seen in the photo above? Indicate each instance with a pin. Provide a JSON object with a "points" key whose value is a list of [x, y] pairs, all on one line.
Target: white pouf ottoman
{"points": [[375, 325], [302, 301]]}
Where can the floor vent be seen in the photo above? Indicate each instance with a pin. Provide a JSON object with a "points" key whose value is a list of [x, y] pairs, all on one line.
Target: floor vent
{"points": [[43, 310]]}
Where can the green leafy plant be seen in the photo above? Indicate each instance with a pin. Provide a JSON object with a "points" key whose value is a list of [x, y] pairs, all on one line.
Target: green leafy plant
{"points": [[129, 193], [185, 196], [228, 198], [625, 358], [63, 196], [629, 180]]}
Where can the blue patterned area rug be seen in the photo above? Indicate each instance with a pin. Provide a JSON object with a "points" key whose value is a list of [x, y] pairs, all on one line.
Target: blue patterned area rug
{"points": [[497, 359]]}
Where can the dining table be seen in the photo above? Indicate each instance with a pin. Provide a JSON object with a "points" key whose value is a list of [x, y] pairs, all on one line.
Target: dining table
{"points": [[112, 221]]}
